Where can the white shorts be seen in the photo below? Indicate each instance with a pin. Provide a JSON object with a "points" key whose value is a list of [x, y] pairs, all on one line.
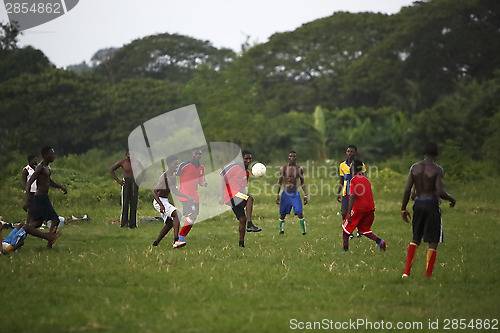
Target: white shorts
{"points": [[169, 209]]}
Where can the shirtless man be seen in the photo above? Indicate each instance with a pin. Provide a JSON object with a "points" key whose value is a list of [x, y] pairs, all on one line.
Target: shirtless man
{"points": [[290, 198], [166, 184], [39, 206], [426, 178], [130, 191]]}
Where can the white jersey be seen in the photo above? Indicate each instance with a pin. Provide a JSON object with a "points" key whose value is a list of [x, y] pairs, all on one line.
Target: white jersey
{"points": [[31, 171]]}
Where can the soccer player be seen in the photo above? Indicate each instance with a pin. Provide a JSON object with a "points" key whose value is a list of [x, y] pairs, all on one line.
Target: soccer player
{"points": [[345, 180], [290, 198], [191, 175], [166, 184], [361, 208], [234, 180], [426, 177], [39, 206]]}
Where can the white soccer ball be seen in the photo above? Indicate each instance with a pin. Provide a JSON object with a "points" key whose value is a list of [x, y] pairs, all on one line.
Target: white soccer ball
{"points": [[258, 170]]}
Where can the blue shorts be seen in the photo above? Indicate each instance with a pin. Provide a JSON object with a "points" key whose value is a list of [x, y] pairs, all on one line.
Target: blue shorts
{"points": [[15, 236], [289, 200]]}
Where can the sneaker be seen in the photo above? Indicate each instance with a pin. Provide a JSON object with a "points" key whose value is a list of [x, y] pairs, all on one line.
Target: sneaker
{"points": [[252, 228], [178, 244], [382, 245]]}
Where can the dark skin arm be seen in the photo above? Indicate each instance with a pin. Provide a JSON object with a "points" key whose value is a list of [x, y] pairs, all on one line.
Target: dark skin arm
{"points": [[352, 200], [440, 191], [24, 177], [339, 192], [405, 215], [303, 184]]}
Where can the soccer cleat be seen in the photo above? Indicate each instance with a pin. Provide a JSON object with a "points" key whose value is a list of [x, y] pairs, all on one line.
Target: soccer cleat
{"points": [[252, 228], [282, 232], [359, 235], [304, 233], [404, 276], [382, 245], [351, 236], [178, 244]]}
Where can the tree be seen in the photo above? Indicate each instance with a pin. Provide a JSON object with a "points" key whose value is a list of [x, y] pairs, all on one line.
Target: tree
{"points": [[170, 57], [8, 37], [23, 61]]}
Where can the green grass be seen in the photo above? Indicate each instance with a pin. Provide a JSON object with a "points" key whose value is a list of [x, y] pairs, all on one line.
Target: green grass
{"points": [[102, 278]]}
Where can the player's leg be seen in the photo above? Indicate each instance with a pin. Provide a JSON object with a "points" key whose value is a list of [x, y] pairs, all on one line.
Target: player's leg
{"points": [[176, 221], [364, 228], [134, 197], [126, 192], [285, 209], [348, 228], [282, 223], [164, 231], [241, 230], [190, 210], [49, 236], [430, 259], [249, 210], [298, 210]]}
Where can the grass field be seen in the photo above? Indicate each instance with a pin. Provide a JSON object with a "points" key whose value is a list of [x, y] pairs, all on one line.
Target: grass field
{"points": [[102, 278]]}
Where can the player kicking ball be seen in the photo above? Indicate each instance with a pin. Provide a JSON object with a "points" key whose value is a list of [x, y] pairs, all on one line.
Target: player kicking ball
{"points": [[360, 213]]}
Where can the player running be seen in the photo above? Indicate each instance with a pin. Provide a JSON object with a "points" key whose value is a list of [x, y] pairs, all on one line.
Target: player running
{"points": [[191, 175], [361, 208], [290, 198]]}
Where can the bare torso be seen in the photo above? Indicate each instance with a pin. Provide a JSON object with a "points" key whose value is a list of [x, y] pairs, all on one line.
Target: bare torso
{"points": [[425, 175], [43, 179], [291, 175]]}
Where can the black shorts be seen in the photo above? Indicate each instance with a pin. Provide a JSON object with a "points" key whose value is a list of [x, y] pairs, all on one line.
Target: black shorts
{"points": [[238, 207], [344, 205], [427, 221], [41, 209], [189, 208]]}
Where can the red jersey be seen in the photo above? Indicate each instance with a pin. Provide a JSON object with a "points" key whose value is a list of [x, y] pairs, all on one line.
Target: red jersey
{"points": [[235, 177], [361, 187], [190, 176]]}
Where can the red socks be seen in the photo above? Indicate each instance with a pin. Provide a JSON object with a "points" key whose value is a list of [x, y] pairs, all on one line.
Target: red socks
{"points": [[431, 259], [412, 248], [188, 224]]}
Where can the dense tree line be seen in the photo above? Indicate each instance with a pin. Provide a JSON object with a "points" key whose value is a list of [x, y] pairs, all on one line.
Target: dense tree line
{"points": [[387, 83]]}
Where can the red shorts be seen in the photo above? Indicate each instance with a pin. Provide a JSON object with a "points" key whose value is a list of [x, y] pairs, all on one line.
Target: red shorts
{"points": [[361, 220]]}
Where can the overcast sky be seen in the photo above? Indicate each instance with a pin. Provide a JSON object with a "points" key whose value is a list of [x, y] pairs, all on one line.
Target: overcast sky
{"points": [[96, 24]]}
